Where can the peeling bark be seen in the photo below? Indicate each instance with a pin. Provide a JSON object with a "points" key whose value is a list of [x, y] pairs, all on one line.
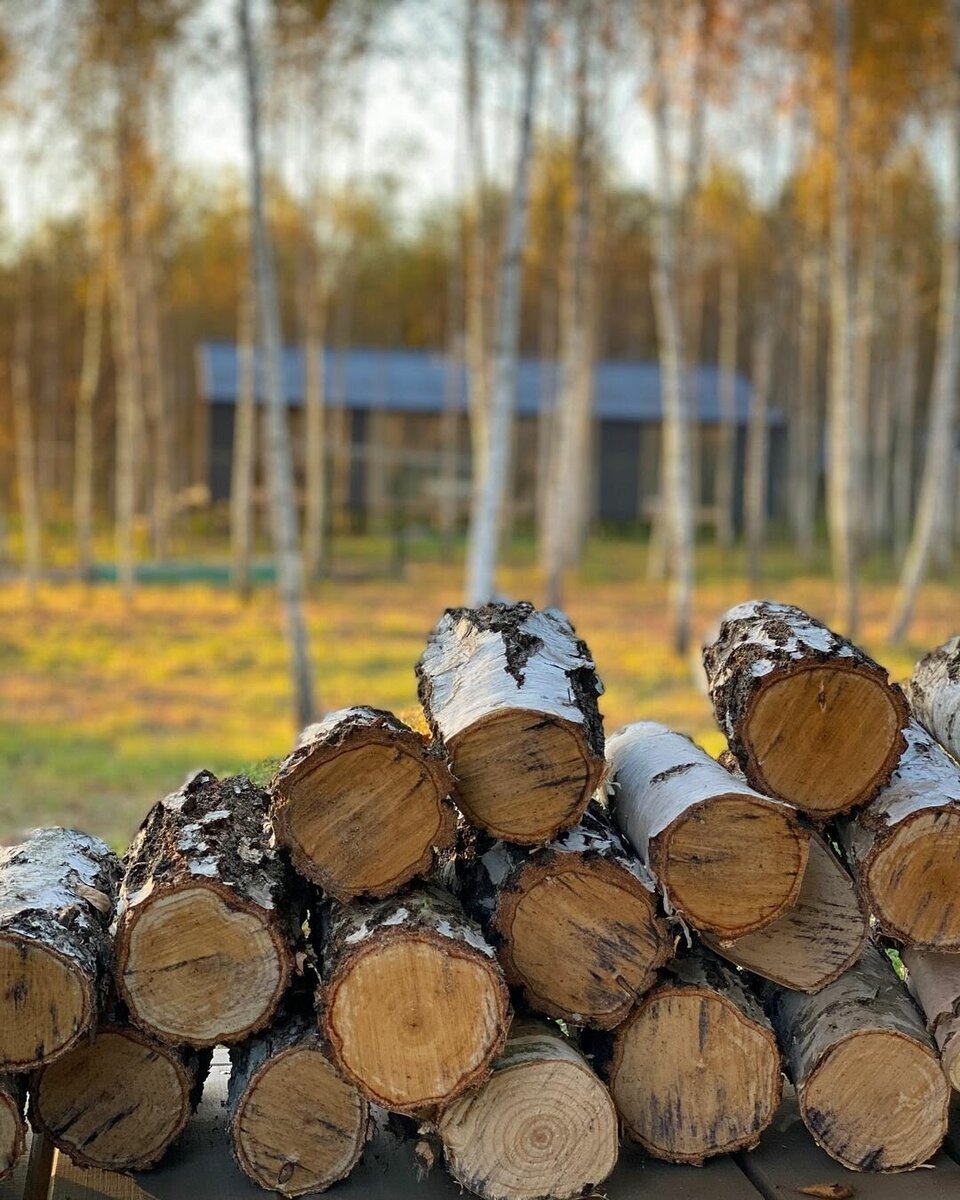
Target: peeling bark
{"points": [[934, 694], [934, 982]]}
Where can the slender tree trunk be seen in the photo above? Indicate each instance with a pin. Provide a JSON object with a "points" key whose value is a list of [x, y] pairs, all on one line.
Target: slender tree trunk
{"points": [[488, 502], [127, 371], [905, 403], [727, 383], [864, 373], [546, 399], [804, 431], [243, 465], [841, 484], [279, 460], [941, 434], [758, 444], [83, 469], [25, 437], [678, 510], [156, 399], [315, 515]]}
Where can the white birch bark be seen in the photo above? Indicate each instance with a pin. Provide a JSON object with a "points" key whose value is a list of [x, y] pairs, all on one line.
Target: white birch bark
{"points": [[83, 468], [805, 427], [26, 448], [934, 982], [315, 322], [934, 694], [905, 402], [243, 464]]}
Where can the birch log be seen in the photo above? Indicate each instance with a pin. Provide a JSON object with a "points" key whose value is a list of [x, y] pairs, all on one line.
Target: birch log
{"points": [[575, 922], [207, 916], [934, 693], [542, 1125], [362, 804], [58, 890], [867, 1075], [513, 693], [934, 982], [728, 860], [118, 1100], [13, 1127], [296, 1124], [413, 1004], [695, 1069], [905, 846], [810, 718]]}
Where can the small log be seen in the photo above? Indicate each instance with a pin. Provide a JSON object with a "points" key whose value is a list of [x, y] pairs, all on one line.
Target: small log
{"points": [[728, 860], [934, 982], [513, 692], [904, 848], [413, 1003], [58, 890], [296, 1124], [362, 804], [575, 922], [207, 916], [810, 718], [119, 1100], [695, 1069], [867, 1074], [813, 942], [542, 1125], [13, 1126], [934, 694]]}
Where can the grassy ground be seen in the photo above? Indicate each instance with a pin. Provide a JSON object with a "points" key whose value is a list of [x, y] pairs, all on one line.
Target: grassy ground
{"points": [[102, 711]]}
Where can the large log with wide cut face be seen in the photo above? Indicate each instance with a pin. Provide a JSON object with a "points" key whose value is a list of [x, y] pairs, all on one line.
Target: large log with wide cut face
{"points": [[208, 915], [513, 692], [413, 1003], [13, 1126], [362, 804], [810, 718], [934, 982], [575, 922], [543, 1124], [58, 890], [296, 1124], [934, 694], [728, 860], [904, 848], [118, 1100], [695, 1069], [868, 1078]]}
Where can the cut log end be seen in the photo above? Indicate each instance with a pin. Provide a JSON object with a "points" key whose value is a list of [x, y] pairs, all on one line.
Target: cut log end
{"points": [[13, 1130], [300, 1126], [713, 1093], [824, 738], [197, 969], [45, 1003], [582, 939], [414, 1020], [543, 1127], [855, 1102], [523, 776], [732, 865], [116, 1102]]}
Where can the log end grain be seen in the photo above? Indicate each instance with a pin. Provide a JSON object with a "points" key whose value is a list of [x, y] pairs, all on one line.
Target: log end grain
{"points": [[117, 1102], [45, 1005], [13, 1128]]}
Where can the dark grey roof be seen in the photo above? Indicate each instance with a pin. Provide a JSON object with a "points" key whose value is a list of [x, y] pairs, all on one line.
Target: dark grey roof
{"points": [[418, 381]]}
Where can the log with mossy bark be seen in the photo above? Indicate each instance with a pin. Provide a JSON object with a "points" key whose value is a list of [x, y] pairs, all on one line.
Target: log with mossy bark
{"points": [[362, 804], [728, 860], [695, 1069], [208, 916], [575, 922], [58, 891], [13, 1126], [297, 1125], [904, 848], [934, 982], [512, 692], [809, 716], [119, 1100], [542, 1125], [934, 694], [868, 1077], [413, 1003]]}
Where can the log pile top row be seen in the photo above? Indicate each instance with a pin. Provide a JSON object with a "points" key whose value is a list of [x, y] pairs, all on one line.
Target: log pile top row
{"points": [[361, 933]]}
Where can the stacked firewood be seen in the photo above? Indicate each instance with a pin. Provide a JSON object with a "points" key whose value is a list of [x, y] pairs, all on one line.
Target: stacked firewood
{"points": [[519, 939]]}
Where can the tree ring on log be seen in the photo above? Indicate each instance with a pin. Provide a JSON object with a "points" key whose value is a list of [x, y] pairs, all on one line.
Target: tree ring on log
{"points": [[117, 1101], [45, 1004], [731, 864], [544, 784], [868, 1101], [12, 1132], [213, 971], [298, 1103], [824, 737], [414, 1020]]}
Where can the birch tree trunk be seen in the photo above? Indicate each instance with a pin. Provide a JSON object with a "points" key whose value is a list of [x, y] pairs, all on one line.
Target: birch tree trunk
{"points": [[83, 467], [24, 433], [489, 497], [156, 400], [864, 375], [243, 464], [758, 444], [727, 442], [315, 514], [841, 482], [279, 462], [934, 486], [905, 403], [804, 431]]}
